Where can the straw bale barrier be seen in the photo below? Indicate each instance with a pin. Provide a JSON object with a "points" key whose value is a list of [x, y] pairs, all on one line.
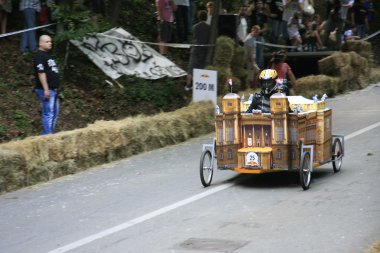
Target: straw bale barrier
{"points": [[320, 84], [224, 51], [340, 72], [42, 158], [352, 69]]}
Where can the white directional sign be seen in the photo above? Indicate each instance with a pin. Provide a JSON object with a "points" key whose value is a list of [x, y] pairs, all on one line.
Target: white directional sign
{"points": [[204, 85]]}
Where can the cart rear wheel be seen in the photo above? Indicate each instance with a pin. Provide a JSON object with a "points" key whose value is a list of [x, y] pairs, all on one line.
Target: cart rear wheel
{"points": [[337, 153], [206, 168], [305, 171]]}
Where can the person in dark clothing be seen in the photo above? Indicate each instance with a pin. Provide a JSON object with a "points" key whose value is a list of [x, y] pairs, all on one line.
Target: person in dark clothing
{"points": [[201, 36], [359, 17], [276, 9], [261, 100], [258, 16], [47, 84], [334, 22]]}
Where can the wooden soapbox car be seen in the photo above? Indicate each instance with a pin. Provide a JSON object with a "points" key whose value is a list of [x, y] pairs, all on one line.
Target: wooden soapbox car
{"points": [[295, 135]]}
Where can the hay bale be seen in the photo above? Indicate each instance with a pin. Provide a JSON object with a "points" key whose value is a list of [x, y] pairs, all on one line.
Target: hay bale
{"points": [[238, 58], [12, 170], [43, 158], [363, 48], [326, 66], [51, 170], [347, 73], [330, 65], [374, 75], [319, 84], [224, 51], [375, 248], [355, 58]]}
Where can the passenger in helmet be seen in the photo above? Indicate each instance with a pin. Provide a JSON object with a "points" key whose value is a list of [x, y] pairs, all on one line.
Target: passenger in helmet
{"points": [[269, 86], [284, 71]]}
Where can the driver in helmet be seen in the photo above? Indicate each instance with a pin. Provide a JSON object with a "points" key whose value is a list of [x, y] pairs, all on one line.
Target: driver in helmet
{"points": [[269, 86]]}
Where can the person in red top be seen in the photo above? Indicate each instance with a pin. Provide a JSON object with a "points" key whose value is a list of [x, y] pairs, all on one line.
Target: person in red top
{"points": [[283, 70]]}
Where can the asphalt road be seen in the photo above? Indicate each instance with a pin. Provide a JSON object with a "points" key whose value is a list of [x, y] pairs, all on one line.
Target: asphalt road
{"points": [[154, 202]]}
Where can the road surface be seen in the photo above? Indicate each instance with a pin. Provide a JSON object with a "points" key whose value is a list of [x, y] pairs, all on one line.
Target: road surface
{"points": [[154, 202]]}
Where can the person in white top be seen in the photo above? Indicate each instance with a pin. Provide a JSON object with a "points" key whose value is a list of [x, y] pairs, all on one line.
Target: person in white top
{"points": [[346, 5], [290, 7], [243, 25], [293, 30], [209, 9]]}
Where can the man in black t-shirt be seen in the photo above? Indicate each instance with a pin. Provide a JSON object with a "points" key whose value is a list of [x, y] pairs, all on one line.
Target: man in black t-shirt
{"points": [[47, 84]]}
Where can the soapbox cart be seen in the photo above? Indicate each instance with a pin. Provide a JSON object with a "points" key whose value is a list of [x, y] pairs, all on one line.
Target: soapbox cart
{"points": [[294, 136]]}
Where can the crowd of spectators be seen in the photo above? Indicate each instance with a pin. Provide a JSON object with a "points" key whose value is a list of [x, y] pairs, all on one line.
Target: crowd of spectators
{"points": [[296, 23]]}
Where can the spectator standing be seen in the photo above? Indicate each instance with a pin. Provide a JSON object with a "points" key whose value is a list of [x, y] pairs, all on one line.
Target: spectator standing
{"points": [[360, 18], [258, 16], [192, 11], [334, 22], [312, 39], [329, 6], [165, 10], [346, 5], [47, 84], [29, 8], [276, 9], [293, 30], [201, 36], [290, 7], [243, 25], [250, 47], [369, 7], [182, 19], [209, 8], [5, 9]]}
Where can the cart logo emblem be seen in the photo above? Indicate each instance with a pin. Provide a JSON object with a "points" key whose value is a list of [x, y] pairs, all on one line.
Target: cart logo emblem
{"points": [[252, 159]]}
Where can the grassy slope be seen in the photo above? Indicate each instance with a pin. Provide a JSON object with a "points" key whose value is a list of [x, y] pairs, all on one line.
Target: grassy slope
{"points": [[86, 95]]}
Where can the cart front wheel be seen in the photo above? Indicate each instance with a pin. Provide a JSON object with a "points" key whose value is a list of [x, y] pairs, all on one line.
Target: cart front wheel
{"points": [[305, 171], [206, 168], [337, 153]]}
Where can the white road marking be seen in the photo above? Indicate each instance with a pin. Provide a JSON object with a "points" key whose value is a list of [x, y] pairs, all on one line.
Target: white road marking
{"points": [[140, 219], [169, 208], [361, 131]]}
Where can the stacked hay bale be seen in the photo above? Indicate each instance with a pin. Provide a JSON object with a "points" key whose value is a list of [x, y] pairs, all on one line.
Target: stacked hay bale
{"points": [[316, 85], [12, 170], [237, 66], [224, 52], [340, 72], [363, 48], [352, 69], [43, 158]]}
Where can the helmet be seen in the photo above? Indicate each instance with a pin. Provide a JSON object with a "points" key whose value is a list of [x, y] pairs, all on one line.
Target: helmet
{"points": [[279, 56], [267, 80]]}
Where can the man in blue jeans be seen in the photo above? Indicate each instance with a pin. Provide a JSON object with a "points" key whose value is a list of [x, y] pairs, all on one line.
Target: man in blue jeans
{"points": [[30, 9], [47, 84]]}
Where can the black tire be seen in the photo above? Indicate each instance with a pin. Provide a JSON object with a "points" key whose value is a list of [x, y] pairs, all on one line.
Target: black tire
{"points": [[337, 152], [206, 168], [305, 171]]}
